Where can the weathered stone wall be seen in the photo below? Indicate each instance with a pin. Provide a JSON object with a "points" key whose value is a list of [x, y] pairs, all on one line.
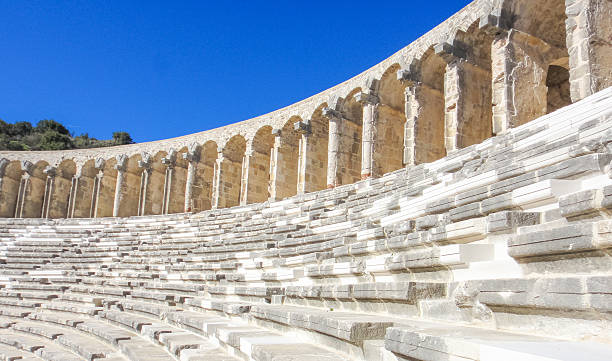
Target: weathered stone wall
{"points": [[494, 65]]}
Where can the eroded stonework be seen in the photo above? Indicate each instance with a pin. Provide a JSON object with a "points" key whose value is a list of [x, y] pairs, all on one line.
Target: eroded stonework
{"points": [[452, 203]]}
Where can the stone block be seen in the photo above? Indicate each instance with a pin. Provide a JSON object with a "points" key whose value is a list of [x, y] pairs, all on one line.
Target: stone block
{"points": [[467, 211], [581, 203], [508, 221], [576, 167], [562, 240]]}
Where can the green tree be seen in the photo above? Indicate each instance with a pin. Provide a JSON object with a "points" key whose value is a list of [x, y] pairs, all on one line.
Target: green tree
{"points": [[17, 145], [4, 127], [120, 138], [53, 140], [50, 124], [20, 129]]}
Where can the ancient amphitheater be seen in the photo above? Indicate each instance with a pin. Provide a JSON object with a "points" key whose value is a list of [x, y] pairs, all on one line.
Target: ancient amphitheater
{"points": [[453, 202]]}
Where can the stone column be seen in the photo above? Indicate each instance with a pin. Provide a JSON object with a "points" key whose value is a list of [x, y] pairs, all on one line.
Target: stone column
{"points": [[411, 109], [24, 187], [274, 163], [216, 191], [454, 78], [169, 161], [192, 156], [304, 129], [589, 41], [121, 168], [333, 147], [370, 116], [95, 194], [244, 180], [49, 189], [74, 187], [6, 209], [145, 177], [3, 163]]}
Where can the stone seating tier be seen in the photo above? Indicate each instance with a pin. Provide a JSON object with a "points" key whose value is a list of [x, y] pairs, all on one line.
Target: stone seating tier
{"points": [[502, 248]]}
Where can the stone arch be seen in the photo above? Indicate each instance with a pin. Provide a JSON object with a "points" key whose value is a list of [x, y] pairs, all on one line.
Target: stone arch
{"points": [[468, 88], [60, 196], [429, 123], [205, 160], [83, 191], [130, 187], [32, 190], [349, 158], [389, 144], [287, 159], [10, 178], [175, 181], [230, 172], [531, 63], [315, 141], [104, 197], [258, 189]]}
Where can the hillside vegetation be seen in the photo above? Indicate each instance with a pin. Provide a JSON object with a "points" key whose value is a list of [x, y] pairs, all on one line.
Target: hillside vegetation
{"points": [[51, 135]]}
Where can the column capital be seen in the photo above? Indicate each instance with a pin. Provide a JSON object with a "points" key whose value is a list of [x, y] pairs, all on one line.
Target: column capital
{"points": [[302, 127], [27, 166], [276, 132], [121, 163], [367, 98], [193, 153], [170, 159], [99, 163], [145, 162], [50, 171], [407, 77], [332, 114], [496, 22], [451, 52]]}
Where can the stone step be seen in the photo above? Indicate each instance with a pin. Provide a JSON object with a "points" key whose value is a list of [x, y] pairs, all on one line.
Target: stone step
{"points": [[429, 342], [39, 346]]}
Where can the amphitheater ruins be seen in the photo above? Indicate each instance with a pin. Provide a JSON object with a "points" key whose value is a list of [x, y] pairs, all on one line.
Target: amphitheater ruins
{"points": [[454, 202]]}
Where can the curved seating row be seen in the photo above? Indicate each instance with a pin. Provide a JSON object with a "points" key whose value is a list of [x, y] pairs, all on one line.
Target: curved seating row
{"points": [[501, 248]]}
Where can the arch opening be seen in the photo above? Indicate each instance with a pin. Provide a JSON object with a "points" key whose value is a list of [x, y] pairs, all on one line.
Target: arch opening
{"points": [[259, 166], [230, 172], [389, 145]]}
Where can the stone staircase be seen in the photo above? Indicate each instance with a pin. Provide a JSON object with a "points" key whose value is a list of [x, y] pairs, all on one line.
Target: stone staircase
{"points": [[499, 251]]}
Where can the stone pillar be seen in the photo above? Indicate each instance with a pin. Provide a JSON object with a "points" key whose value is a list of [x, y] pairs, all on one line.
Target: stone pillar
{"points": [[216, 191], [24, 188], [333, 147], [244, 180], [520, 65], [3, 163], [95, 194], [121, 168], [303, 183], [411, 108], [74, 187], [274, 164], [454, 90], [192, 156], [169, 161], [8, 191], [368, 141], [49, 189], [145, 177], [589, 42]]}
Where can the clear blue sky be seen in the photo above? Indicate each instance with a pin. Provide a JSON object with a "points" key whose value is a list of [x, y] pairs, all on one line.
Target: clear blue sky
{"points": [[159, 69]]}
